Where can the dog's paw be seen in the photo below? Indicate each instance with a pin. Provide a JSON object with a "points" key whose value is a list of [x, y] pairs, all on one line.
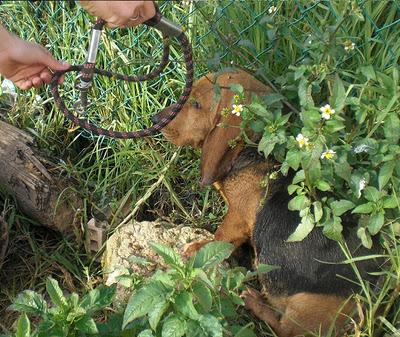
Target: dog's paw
{"points": [[252, 299], [189, 249]]}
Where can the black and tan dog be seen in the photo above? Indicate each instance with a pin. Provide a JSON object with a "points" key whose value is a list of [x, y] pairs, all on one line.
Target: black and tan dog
{"points": [[305, 294]]}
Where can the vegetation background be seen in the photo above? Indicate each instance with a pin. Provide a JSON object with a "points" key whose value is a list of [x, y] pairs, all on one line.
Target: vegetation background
{"points": [[342, 52]]}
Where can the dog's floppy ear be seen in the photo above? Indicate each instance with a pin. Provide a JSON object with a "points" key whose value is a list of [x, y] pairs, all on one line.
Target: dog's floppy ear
{"points": [[216, 154]]}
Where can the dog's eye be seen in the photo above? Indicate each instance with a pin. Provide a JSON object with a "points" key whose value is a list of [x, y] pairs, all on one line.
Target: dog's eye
{"points": [[196, 104]]}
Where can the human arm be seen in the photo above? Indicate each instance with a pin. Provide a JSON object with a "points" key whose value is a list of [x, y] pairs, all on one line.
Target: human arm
{"points": [[25, 63], [121, 13]]}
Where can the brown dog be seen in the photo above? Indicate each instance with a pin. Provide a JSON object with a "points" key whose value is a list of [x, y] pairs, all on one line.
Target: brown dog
{"points": [[304, 295], [198, 125]]}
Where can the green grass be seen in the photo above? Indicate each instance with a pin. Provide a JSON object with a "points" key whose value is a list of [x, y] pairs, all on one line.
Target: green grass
{"points": [[152, 176]]}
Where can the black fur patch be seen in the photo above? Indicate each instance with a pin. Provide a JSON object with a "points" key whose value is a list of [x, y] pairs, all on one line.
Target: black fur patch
{"points": [[300, 266]]}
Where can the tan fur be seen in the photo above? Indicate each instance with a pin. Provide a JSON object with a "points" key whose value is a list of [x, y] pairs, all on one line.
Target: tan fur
{"points": [[302, 314], [199, 127]]}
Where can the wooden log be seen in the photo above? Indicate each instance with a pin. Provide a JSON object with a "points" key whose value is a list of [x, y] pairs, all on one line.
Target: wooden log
{"points": [[32, 180]]}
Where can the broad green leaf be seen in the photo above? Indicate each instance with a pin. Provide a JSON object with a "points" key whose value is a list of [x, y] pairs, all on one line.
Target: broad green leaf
{"points": [[368, 71], [267, 144], [365, 237], [343, 169], [23, 326], [304, 92], [371, 194], [184, 305], [211, 325], [376, 221], [228, 309], [146, 333], [86, 324], [170, 257], [293, 158], [333, 125], [55, 292], [385, 173], [293, 188], [75, 313], [318, 211], [364, 208], [157, 312], [173, 327], [193, 328], [98, 298], [342, 206], [203, 295], [299, 72], [390, 202], [299, 177], [257, 126], [30, 302], [392, 128], [144, 300], [298, 203], [322, 185], [333, 228], [311, 118], [163, 277], [303, 229], [272, 98], [338, 95], [236, 87], [203, 277], [212, 254], [260, 110]]}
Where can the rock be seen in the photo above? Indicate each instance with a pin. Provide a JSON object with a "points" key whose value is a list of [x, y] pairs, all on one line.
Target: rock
{"points": [[129, 246]]}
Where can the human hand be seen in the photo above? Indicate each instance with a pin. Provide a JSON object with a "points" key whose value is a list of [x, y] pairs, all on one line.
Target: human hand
{"points": [[27, 64], [121, 13]]}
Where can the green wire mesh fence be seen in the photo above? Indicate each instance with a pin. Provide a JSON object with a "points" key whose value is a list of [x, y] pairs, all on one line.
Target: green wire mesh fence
{"points": [[264, 36]]}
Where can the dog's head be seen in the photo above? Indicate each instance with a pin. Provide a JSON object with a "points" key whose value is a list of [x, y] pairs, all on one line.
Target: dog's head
{"points": [[198, 122]]}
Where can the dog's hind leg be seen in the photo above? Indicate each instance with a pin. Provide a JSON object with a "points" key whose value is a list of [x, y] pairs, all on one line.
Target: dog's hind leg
{"points": [[302, 314]]}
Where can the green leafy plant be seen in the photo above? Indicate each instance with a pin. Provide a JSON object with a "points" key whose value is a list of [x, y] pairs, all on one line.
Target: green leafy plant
{"points": [[67, 316], [193, 298], [343, 146]]}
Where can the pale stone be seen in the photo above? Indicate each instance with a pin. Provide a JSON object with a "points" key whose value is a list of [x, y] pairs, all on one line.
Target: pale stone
{"points": [[132, 240]]}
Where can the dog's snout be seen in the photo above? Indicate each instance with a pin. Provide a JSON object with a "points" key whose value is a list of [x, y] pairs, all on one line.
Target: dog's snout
{"points": [[155, 118]]}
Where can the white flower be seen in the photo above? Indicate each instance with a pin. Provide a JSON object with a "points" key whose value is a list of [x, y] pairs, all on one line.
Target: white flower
{"points": [[301, 140], [328, 154], [348, 45], [272, 9], [237, 109], [326, 111]]}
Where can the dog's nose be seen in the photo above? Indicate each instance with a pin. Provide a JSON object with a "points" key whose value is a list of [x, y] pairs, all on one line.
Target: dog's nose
{"points": [[155, 118]]}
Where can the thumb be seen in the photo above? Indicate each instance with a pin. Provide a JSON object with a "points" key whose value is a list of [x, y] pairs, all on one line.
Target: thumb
{"points": [[49, 61]]}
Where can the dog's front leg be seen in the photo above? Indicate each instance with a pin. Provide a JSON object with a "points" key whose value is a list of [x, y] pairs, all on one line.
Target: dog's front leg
{"points": [[232, 230]]}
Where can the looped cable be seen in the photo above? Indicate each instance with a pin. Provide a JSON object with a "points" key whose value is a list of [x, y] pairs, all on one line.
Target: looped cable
{"points": [[88, 69]]}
